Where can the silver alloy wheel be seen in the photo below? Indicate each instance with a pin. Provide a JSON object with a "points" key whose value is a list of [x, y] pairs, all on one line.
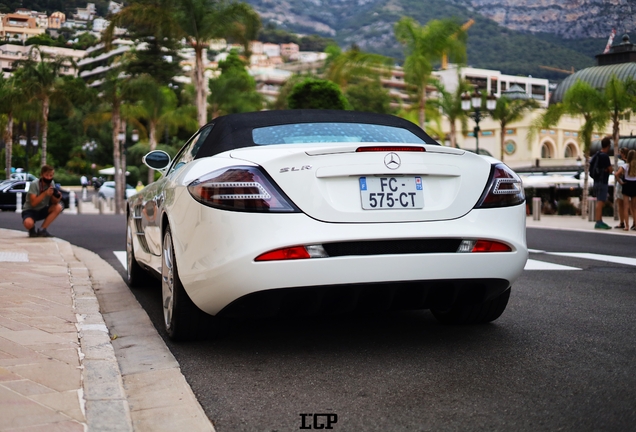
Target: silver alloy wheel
{"points": [[167, 280]]}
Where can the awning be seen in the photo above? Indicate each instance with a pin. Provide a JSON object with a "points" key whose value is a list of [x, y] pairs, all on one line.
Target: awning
{"points": [[109, 171]]}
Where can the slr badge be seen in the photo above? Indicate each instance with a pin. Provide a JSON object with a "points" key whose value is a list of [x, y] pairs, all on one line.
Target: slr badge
{"points": [[292, 169]]}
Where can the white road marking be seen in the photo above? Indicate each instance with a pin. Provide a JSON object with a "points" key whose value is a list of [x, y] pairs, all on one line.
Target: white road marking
{"points": [[542, 265], [121, 256], [597, 257]]}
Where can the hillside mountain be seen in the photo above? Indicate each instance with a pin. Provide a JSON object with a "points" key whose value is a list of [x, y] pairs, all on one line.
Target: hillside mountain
{"points": [[514, 36], [369, 24], [568, 19]]}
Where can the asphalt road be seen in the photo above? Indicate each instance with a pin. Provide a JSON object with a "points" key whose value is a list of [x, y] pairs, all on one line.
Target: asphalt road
{"points": [[562, 356]]}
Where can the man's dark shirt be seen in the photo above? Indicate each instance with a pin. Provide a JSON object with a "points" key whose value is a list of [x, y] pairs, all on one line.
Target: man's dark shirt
{"points": [[603, 163]]}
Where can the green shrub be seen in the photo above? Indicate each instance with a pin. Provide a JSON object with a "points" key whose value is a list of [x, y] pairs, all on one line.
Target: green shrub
{"points": [[66, 178], [565, 207], [314, 93]]}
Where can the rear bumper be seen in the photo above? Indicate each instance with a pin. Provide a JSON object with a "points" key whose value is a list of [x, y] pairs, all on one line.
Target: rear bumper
{"points": [[215, 253], [370, 297]]}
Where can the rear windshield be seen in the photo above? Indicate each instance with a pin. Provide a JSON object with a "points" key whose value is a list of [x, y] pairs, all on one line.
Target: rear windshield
{"points": [[332, 132]]}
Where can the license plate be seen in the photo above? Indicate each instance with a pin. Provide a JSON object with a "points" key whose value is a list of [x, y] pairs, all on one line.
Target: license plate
{"points": [[391, 193]]}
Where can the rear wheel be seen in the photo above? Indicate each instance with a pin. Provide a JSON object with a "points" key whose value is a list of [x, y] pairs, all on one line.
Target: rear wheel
{"points": [[135, 274], [481, 313], [182, 318]]}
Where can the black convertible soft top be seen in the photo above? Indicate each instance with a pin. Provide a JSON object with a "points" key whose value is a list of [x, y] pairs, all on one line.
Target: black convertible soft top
{"points": [[235, 130]]}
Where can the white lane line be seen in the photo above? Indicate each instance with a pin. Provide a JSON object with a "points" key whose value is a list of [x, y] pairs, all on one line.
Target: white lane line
{"points": [[597, 257], [542, 265], [121, 256]]}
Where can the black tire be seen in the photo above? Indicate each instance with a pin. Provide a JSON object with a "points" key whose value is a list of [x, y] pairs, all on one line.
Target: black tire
{"points": [[135, 274], [183, 320], [482, 313]]}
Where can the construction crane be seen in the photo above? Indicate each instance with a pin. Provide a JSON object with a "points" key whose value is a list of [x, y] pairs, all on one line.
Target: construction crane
{"points": [[610, 40], [464, 27], [565, 71]]}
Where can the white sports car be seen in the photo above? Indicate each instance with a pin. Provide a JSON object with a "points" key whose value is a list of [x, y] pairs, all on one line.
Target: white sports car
{"points": [[310, 211]]}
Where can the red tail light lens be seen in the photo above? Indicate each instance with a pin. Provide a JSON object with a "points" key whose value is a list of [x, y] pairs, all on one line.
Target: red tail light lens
{"points": [[504, 188], [241, 188], [490, 246], [290, 253], [390, 149]]}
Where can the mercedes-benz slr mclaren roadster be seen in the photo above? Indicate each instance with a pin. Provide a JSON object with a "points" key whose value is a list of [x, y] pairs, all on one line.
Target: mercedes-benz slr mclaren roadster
{"points": [[312, 211]]}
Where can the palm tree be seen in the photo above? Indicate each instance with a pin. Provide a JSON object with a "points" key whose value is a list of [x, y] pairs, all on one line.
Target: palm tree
{"points": [[450, 106], [198, 21], [11, 97], [581, 99], [509, 111], [157, 105], [40, 80], [426, 46], [621, 98], [234, 90], [355, 65], [113, 95]]}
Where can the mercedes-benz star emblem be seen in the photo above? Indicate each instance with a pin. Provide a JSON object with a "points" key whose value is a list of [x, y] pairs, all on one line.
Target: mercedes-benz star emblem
{"points": [[392, 161]]}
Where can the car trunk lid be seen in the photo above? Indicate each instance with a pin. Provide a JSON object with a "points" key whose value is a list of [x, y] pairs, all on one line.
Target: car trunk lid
{"points": [[335, 183]]}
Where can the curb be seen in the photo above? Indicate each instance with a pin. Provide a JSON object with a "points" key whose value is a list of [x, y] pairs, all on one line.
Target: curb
{"points": [[156, 395], [106, 407]]}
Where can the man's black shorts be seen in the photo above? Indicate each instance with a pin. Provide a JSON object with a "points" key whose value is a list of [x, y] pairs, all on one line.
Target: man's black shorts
{"points": [[36, 215]]}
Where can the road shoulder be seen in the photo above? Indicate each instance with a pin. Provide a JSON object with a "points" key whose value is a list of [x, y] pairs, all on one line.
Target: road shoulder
{"points": [[158, 395]]}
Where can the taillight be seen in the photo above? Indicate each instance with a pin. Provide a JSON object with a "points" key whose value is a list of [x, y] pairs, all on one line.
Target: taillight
{"points": [[475, 246], [294, 253], [240, 188], [504, 188]]}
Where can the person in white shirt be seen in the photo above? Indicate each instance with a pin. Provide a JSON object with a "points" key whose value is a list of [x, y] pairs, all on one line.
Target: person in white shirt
{"points": [[628, 172], [622, 158]]}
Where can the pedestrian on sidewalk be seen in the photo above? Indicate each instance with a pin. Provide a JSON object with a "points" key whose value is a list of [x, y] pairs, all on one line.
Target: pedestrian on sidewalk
{"points": [[42, 203], [622, 210], [604, 167], [629, 188]]}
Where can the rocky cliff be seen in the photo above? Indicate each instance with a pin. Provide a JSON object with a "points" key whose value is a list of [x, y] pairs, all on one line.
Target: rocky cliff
{"points": [[566, 18]]}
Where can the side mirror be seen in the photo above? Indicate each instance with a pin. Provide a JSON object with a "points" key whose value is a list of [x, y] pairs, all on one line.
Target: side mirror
{"points": [[157, 159]]}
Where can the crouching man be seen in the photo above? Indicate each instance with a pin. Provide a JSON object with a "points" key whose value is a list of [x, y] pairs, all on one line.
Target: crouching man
{"points": [[42, 203]]}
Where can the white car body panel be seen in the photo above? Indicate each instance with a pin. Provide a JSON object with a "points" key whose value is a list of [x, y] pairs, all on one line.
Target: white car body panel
{"points": [[220, 246], [216, 249], [214, 280]]}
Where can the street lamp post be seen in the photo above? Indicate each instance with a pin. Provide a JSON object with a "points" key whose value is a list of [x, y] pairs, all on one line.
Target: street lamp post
{"points": [[23, 142], [89, 147], [472, 104]]}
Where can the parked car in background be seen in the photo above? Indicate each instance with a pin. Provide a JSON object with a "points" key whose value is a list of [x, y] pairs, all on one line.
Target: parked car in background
{"points": [[310, 211], [9, 190], [107, 190], [23, 176]]}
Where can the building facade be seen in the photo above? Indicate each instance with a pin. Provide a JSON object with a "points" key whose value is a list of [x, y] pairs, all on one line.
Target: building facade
{"points": [[18, 28], [10, 53]]}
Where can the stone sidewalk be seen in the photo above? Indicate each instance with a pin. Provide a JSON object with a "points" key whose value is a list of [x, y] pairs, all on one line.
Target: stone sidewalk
{"points": [[77, 351]]}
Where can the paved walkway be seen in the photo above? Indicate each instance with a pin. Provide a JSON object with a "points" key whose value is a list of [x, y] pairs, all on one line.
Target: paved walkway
{"points": [[77, 351], [575, 223]]}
